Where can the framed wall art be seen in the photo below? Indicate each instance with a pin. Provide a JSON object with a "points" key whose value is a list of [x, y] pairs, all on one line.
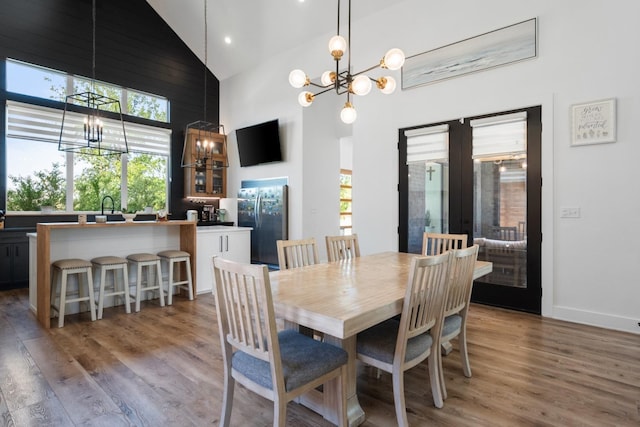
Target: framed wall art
{"points": [[506, 45], [593, 122]]}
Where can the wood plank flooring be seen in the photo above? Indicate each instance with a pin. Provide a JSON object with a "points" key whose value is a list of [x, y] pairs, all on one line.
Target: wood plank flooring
{"points": [[163, 367]]}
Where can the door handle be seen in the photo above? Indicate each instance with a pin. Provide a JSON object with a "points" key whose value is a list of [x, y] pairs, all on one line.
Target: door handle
{"points": [[220, 240], [226, 241]]}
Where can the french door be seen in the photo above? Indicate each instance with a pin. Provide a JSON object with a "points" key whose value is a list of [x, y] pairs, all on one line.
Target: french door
{"points": [[481, 177]]}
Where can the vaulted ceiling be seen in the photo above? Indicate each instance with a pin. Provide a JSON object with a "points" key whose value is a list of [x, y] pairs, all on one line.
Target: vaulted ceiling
{"points": [[258, 29]]}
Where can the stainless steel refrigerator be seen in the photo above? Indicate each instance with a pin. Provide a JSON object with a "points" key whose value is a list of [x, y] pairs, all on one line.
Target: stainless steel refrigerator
{"points": [[262, 204]]}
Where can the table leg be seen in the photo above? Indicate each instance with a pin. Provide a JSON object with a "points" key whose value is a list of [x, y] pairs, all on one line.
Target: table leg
{"points": [[355, 413]]}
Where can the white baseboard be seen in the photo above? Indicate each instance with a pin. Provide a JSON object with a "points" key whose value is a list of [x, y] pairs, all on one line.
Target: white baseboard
{"points": [[602, 320]]}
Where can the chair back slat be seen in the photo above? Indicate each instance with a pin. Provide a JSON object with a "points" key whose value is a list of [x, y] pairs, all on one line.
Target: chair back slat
{"points": [[460, 280], [424, 297], [342, 247], [435, 243], [248, 316], [297, 253]]}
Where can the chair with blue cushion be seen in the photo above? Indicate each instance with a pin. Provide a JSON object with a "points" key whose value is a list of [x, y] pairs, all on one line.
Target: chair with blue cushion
{"points": [[456, 305], [278, 366], [396, 346]]}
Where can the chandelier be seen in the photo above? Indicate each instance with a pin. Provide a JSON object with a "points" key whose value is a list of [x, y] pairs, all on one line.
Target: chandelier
{"points": [[345, 81], [205, 143], [96, 106]]}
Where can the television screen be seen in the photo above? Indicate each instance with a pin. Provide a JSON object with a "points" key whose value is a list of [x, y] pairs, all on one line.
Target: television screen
{"points": [[259, 143]]}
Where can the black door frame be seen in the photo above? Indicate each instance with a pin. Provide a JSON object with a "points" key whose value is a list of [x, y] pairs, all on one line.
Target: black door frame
{"points": [[461, 208]]}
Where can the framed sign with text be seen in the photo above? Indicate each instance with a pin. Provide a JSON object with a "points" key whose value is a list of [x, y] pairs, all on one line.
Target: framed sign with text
{"points": [[593, 122]]}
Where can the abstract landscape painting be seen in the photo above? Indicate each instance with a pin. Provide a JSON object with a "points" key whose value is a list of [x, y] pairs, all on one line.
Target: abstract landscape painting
{"points": [[504, 46]]}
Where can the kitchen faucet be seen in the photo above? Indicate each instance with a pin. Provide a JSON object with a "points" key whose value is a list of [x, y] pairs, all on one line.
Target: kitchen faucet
{"points": [[102, 205]]}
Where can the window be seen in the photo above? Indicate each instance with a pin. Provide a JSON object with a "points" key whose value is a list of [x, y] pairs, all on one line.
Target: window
{"points": [[41, 82], [345, 201], [76, 182]]}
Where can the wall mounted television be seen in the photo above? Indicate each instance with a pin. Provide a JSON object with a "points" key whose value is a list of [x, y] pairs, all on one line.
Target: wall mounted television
{"points": [[259, 143]]}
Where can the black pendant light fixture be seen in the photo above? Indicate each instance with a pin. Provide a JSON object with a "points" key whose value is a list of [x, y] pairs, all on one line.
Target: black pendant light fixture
{"points": [[201, 156], [91, 121]]}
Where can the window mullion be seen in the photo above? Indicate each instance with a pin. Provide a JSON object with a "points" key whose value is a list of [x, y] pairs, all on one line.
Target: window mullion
{"points": [[69, 182]]}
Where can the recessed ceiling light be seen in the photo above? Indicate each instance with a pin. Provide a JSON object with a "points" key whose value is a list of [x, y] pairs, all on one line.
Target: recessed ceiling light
{"points": [[227, 40]]}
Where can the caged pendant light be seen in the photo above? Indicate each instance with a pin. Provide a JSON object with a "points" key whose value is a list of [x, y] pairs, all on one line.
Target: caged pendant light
{"points": [[88, 124], [345, 81], [202, 130]]}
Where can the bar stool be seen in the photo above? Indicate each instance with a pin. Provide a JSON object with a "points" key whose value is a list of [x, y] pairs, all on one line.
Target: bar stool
{"points": [[138, 262], [172, 257], [60, 274], [112, 263]]}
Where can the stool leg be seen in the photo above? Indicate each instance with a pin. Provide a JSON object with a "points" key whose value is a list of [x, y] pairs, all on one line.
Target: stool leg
{"points": [[125, 279], [170, 282], [92, 303], [189, 280], [103, 277], [138, 286], [159, 282], [54, 288], [63, 299]]}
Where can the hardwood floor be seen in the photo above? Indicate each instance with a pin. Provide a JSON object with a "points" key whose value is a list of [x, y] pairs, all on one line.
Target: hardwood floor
{"points": [[162, 367]]}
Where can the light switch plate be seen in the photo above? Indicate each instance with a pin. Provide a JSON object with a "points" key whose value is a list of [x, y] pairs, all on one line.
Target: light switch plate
{"points": [[570, 212]]}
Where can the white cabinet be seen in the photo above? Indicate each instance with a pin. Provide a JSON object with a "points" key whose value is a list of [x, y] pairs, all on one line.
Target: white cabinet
{"points": [[233, 243]]}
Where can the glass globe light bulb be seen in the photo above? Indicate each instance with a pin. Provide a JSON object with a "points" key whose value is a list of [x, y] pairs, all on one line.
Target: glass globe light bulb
{"points": [[348, 114], [393, 59], [328, 77], [297, 78], [305, 99], [386, 84], [337, 47], [361, 85]]}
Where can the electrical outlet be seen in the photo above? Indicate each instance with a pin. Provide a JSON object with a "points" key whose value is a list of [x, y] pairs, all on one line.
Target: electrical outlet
{"points": [[569, 212]]}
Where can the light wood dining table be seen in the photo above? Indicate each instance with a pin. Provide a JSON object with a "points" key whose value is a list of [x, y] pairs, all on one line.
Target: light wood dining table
{"points": [[341, 299]]}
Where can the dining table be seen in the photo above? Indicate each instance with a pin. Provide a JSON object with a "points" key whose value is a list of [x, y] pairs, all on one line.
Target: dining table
{"points": [[340, 299]]}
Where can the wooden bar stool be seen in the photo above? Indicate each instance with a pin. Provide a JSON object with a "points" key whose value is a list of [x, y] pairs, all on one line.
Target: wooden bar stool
{"points": [[61, 271], [138, 262], [112, 263], [172, 257]]}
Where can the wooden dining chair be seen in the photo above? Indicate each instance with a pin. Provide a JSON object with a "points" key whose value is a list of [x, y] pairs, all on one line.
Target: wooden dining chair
{"points": [[297, 253], [456, 306], [279, 366], [396, 346], [342, 247], [435, 243]]}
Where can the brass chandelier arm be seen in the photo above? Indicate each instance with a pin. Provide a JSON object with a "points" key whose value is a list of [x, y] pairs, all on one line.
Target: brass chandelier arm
{"points": [[344, 82]]}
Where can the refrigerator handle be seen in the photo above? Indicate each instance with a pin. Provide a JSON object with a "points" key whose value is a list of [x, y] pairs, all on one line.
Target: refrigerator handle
{"points": [[256, 206], [259, 210]]}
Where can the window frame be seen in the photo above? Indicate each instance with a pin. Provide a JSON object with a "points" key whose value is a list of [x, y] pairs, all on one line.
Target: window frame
{"points": [[346, 229]]}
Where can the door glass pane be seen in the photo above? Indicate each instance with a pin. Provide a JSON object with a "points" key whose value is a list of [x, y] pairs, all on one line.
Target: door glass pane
{"points": [[500, 221], [428, 201]]}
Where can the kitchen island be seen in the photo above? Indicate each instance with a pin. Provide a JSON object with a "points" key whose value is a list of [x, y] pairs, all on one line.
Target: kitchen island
{"points": [[60, 240]]}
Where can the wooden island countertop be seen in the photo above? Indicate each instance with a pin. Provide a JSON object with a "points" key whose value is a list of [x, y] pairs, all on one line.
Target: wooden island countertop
{"points": [[49, 233]]}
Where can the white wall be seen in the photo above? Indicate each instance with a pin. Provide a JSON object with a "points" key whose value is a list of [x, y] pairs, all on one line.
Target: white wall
{"points": [[587, 51]]}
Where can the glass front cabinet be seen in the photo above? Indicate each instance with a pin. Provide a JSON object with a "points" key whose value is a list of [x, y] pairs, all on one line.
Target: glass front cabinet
{"points": [[206, 160]]}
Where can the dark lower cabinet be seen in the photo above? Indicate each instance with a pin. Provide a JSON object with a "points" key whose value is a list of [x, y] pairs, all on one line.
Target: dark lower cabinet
{"points": [[14, 260]]}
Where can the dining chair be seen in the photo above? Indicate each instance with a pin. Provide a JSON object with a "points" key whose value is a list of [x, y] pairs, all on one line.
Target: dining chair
{"points": [[342, 247], [297, 253], [436, 243], [396, 346], [456, 306], [279, 366]]}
